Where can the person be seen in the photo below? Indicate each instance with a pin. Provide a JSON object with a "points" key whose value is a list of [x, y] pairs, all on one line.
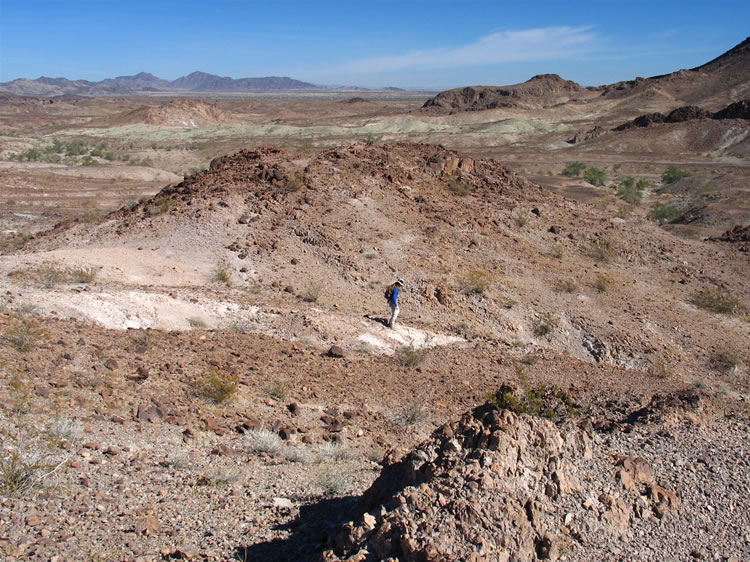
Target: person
{"points": [[392, 295]]}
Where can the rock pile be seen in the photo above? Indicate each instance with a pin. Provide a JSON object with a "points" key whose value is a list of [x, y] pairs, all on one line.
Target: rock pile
{"points": [[502, 486]]}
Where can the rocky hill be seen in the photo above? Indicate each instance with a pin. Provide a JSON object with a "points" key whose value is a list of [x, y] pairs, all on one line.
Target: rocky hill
{"points": [[540, 91], [176, 113], [714, 85]]}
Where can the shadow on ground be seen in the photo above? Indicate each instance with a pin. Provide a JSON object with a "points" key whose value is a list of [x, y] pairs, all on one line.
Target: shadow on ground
{"points": [[309, 533]]}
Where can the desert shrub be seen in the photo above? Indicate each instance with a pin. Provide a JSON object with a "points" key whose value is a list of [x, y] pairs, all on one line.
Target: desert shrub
{"points": [[557, 251], [177, 461], [409, 356], [545, 324], [277, 390], [69, 430], [672, 174], [75, 148], [331, 451], [717, 299], [89, 161], [48, 274], [595, 176], [574, 169], [630, 191], [724, 360], [19, 473], [569, 286], [601, 249], [458, 186], [263, 441], [221, 476], [661, 369], [197, 323], [196, 170], [145, 162], [83, 274], [197, 145], [519, 218], [294, 183], [222, 273], [312, 292], [370, 139], [411, 414], [215, 386], [664, 213], [541, 400], [332, 483], [298, 454], [476, 282], [23, 334], [157, 207], [20, 393], [601, 283]]}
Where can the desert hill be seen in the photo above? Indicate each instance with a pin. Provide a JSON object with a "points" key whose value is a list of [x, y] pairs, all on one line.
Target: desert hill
{"points": [[176, 113], [246, 301], [540, 91], [480, 246]]}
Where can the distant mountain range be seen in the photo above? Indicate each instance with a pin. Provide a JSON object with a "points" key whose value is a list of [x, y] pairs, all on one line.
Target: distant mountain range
{"points": [[144, 82]]}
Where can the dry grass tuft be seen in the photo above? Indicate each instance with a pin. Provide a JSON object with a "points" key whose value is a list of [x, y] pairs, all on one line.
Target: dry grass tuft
{"points": [[215, 386]]}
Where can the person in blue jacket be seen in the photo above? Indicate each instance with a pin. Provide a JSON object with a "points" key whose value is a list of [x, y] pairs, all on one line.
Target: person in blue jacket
{"points": [[392, 294]]}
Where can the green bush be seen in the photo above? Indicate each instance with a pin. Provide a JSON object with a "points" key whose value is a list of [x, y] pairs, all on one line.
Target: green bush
{"points": [[664, 213], [672, 174], [574, 169], [541, 400], [595, 176], [215, 386]]}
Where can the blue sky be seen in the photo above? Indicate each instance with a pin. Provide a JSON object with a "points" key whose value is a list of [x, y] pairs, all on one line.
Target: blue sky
{"points": [[432, 44]]}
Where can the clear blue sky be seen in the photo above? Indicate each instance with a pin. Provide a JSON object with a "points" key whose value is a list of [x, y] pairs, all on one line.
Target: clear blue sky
{"points": [[434, 44]]}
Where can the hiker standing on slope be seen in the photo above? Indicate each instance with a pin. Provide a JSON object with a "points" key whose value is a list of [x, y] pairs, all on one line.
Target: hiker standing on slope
{"points": [[391, 293]]}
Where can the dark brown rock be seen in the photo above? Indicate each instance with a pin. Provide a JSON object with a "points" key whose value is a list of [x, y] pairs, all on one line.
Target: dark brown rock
{"points": [[335, 351]]}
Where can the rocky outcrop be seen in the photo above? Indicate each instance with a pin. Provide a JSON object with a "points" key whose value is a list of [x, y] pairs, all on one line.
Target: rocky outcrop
{"points": [[739, 110], [502, 486]]}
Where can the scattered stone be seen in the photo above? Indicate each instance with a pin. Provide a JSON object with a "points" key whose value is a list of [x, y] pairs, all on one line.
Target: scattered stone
{"points": [[335, 351]]}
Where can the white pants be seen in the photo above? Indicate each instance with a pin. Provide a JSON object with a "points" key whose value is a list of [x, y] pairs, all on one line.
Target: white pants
{"points": [[394, 314]]}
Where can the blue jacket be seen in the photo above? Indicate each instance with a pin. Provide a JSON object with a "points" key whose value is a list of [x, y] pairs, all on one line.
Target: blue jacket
{"points": [[394, 296]]}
